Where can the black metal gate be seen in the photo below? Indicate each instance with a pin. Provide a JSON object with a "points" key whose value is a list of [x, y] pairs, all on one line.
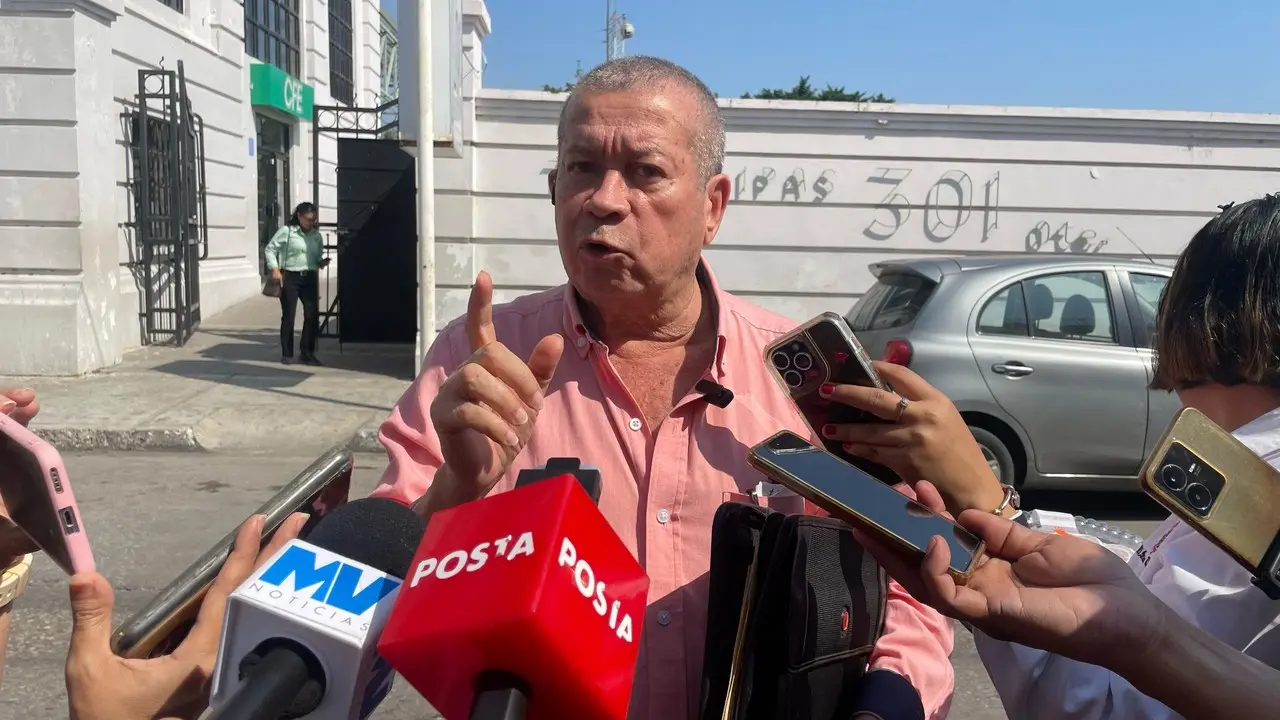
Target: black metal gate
{"points": [[171, 229], [375, 231]]}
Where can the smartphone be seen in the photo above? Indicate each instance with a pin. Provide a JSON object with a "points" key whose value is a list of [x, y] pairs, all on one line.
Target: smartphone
{"points": [[824, 350], [164, 622], [37, 492], [1216, 484], [861, 500]]}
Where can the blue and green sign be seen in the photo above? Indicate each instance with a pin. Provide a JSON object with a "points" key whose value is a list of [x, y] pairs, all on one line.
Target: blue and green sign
{"points": [[273, 87]]}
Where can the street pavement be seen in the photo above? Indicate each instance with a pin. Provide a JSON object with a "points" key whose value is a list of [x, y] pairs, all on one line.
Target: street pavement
{"points": [[150, 514], [226, 389]]}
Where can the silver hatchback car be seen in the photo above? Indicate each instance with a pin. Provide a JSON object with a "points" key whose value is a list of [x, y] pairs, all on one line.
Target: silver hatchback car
{"points": [[1047, 358]]}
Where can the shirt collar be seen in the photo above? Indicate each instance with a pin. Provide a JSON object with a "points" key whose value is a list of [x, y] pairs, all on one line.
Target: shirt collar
{"points": [[1262, 434], [580, 338]]}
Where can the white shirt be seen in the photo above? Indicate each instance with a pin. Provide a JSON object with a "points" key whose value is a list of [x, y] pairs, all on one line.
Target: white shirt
{"points": [[1200, 582]]}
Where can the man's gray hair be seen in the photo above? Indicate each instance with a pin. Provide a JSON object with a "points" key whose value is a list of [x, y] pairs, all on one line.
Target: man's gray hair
{"points": [[637, 72]]}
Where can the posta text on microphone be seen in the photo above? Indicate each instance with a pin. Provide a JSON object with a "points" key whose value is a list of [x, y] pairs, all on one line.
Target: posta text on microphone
{"points": [[299, 638], [530, 583]]}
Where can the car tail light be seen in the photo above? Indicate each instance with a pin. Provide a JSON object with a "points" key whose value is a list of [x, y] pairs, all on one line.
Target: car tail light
{"points": [[898, 352]]}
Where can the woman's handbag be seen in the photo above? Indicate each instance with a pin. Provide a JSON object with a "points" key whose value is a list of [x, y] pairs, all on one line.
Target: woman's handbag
{"points": [[271, 286]]}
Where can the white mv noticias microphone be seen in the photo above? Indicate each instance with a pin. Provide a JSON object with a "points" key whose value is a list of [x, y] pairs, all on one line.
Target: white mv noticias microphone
{"points": [[300, 635]]}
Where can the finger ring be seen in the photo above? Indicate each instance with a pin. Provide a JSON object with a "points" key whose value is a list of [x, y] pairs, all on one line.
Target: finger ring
{"points": [[902, 407]]}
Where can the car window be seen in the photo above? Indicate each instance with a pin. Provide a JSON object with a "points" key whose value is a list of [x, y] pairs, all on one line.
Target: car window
{"points": [[1070, 306], [1148, 289], [892, 302], [1005, 313]]}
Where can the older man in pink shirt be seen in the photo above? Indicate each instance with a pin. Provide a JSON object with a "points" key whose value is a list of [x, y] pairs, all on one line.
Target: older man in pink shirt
{"points": [[604, 369]]}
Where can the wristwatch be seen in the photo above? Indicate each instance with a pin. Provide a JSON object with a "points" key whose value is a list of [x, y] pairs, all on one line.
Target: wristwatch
{"points": [[13, 582], [1011, 499]]}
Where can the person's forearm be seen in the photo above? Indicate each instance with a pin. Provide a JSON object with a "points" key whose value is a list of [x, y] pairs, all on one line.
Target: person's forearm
{"points": [[1199, 676], [445, 492]]}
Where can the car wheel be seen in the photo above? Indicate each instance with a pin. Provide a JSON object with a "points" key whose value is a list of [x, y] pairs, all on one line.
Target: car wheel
{"points": [[997, 455]]}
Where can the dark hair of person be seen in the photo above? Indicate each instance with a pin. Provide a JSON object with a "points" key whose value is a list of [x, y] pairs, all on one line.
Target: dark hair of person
{"points": [[1219, 318], [304, 208]]}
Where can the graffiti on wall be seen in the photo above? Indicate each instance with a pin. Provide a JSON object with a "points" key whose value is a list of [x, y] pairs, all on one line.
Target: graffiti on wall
{"points": [[947, 206], [791, 189], [953, 201], [1043, 238]]}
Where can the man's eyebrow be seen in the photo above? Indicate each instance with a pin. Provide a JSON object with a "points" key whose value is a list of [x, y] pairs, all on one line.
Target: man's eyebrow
{"points": [[644, 149]]}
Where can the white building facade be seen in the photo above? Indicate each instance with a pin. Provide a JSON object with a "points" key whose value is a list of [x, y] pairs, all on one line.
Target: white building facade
{"points": [[823, 190], [73, 220], [820, 190]]}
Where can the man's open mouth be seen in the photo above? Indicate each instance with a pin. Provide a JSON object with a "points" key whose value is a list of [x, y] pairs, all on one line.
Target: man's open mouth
{"points": [[599, 248]]}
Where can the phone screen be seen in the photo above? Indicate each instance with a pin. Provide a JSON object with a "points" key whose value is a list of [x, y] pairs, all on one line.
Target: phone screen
{"points": [[164, 622], [25, 495], [853, 495]]}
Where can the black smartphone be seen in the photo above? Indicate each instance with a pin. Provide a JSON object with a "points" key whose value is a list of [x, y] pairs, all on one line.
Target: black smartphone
{"points": [[861, 500], [159, 627], [824, 350]]}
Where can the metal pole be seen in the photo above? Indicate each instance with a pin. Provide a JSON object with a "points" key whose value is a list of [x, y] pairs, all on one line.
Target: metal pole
{"points": [[426, 191]]}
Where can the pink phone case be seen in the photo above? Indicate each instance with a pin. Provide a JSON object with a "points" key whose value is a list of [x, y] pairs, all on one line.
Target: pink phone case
{"points": [[47, 511]]}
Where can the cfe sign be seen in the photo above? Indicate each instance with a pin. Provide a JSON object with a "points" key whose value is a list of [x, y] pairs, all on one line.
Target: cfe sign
{"points": [[272, 87]]}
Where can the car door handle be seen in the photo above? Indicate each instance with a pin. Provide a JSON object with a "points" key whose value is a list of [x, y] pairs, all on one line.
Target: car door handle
{"points": [[1012, 369]]}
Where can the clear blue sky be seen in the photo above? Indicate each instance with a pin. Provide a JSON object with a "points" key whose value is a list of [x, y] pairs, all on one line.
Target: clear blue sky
{"points": [[1151, 54]]}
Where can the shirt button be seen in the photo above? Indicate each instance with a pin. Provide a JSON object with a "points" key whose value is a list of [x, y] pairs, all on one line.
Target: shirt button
{"points": [[664, 618], [635, 424], [582, 342], [664, 515]]}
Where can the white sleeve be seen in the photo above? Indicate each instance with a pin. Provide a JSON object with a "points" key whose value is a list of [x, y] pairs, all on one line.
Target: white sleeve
{"points": [[1034, 684], [1193, 577]]}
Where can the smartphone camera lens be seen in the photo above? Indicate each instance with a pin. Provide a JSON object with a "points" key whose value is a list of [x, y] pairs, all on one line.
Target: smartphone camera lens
{"points": [[803, 361], [1199, 497], [1174, 477], [793, 378], [781, 360]]}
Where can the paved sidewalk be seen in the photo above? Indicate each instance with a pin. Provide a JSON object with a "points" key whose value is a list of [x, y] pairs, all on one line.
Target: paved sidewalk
{"points": [[226, 390]]}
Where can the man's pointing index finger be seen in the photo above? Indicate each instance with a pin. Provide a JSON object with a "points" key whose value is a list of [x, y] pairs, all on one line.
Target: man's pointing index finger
{"points": [[480, 330]]}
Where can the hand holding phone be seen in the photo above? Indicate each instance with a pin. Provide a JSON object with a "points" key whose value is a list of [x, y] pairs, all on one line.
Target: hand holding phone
{"points": [[1059, 593], [163, 623], [863, 501], [1220, 487], [37, 497], [822, 353]]}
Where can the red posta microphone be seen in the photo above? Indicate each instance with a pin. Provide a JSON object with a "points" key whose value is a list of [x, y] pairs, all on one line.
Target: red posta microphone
{"points": [[522, 604]]}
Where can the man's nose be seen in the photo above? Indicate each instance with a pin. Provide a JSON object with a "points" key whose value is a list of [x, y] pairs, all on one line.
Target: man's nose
{"points": [[611, 197]]}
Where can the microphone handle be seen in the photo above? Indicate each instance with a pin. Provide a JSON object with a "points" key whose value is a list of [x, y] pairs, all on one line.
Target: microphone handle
{"points": [[500, 696], [270, 689]]}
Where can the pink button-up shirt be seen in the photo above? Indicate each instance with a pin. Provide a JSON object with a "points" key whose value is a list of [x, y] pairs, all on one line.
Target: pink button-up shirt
{"points": [[661, 488]]}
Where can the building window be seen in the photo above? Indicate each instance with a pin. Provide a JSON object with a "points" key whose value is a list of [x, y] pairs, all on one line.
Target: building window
{"points": [[271, 33], [175, 4], [341, 66]]}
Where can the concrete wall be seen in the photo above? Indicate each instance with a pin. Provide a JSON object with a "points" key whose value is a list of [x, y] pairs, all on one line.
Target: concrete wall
{"points": [[822, 190], [57, 222], [209, 39], [69, 301]]}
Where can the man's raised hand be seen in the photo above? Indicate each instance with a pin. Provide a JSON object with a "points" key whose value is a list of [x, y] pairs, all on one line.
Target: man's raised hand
{"points": [[485, 411]]}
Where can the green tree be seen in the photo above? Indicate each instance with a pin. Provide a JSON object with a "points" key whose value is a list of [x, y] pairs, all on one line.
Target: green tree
{"points": [[567, 87], [804, 90]]}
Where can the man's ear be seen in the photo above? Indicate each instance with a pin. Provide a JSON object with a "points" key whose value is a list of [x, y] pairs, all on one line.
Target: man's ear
{"points": [[551, 185]]}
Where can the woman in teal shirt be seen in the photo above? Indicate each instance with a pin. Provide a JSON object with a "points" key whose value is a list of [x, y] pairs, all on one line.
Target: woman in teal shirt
{"points": [[294, 257]]}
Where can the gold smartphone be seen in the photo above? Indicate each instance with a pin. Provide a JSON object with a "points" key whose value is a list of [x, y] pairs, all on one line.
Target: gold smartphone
{"points": [[1216, 484], [861, 500], [160, 626]]}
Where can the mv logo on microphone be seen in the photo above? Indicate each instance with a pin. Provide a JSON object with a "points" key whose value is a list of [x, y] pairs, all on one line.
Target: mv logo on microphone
{"points": [[301, 578]]}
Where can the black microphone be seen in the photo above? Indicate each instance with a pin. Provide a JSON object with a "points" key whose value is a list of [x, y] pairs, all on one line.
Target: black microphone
{"points": [[714, 393]]}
